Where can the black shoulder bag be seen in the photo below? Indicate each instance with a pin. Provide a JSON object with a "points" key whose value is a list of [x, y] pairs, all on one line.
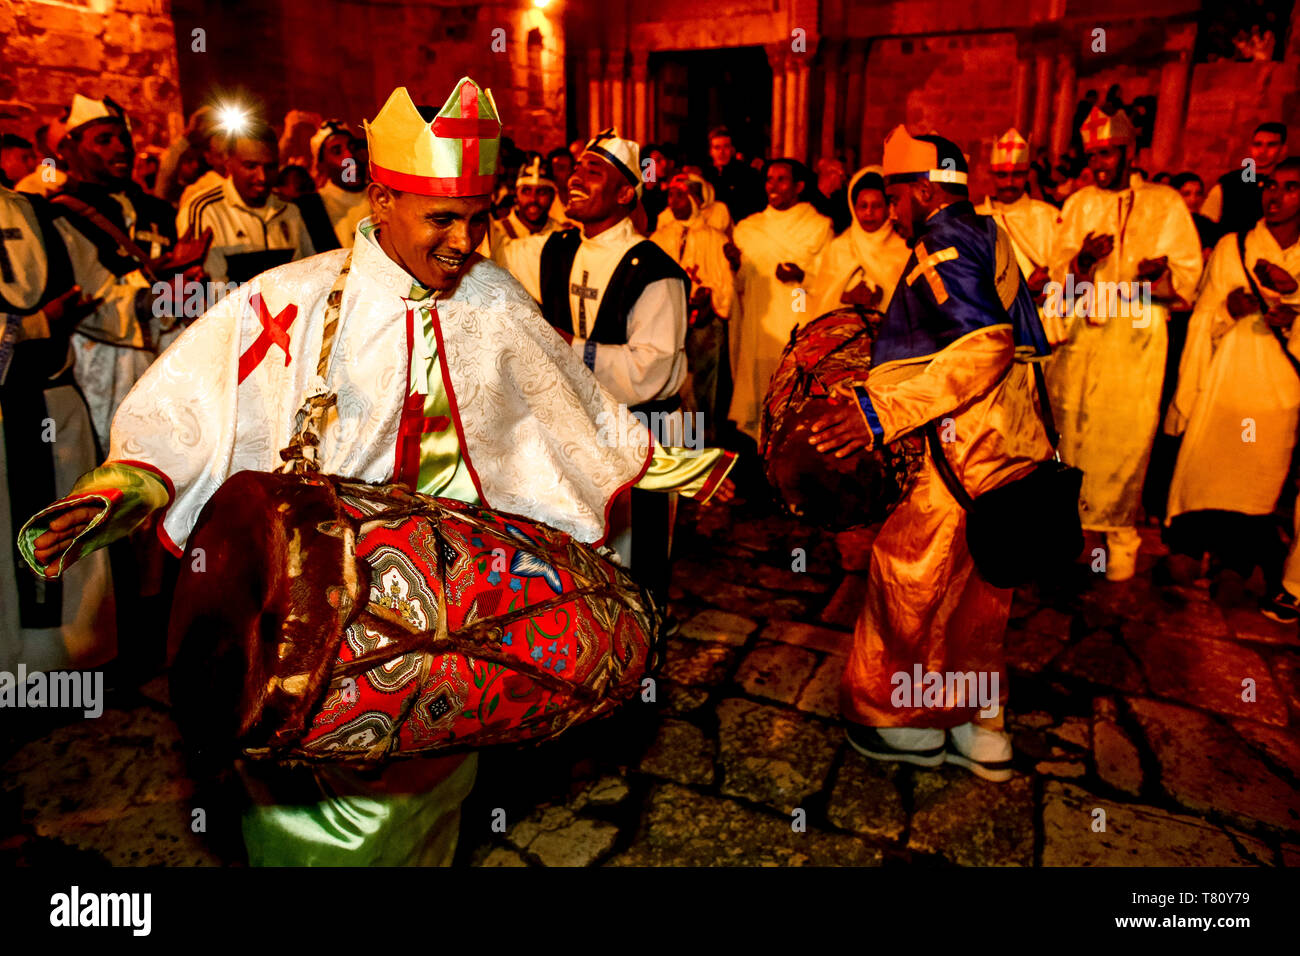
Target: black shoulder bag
{"points": [[1026, 528]]}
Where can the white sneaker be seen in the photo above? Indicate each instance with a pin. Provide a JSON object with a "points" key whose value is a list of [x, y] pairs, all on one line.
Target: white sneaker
{"points": [[922, 746], [985, 753]]}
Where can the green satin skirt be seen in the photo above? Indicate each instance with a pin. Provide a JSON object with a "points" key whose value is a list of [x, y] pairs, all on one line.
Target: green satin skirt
{"points": [[337, 816]]}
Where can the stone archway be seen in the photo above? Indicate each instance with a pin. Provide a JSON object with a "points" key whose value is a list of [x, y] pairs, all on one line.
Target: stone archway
{"points": [[695, 90]]}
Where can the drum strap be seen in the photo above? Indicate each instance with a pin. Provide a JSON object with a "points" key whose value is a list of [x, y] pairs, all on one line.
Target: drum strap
{"points": [[302, 455], [944, 467]]}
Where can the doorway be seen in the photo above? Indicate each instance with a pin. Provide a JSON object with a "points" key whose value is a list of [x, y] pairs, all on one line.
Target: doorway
{"points": [[696, 90]]}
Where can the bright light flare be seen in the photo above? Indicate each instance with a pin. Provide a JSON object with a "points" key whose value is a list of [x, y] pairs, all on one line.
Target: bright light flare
{"points": [[232, 118], [541, 4]]}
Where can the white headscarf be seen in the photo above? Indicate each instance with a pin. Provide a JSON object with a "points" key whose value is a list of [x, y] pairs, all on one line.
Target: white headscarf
{"points": [[876, 258]]}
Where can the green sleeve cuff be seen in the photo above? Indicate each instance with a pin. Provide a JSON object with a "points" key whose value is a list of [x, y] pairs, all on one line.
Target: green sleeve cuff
{"points": [[690, 472], [126, 495]]}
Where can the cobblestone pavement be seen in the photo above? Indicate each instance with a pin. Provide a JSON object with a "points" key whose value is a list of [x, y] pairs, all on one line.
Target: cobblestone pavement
{"points": [[1123, 699]]}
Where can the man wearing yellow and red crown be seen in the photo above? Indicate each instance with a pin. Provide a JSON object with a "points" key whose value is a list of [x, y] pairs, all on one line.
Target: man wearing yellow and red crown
{"points": [[446, 378], [1030, 223], [1125, 253]]}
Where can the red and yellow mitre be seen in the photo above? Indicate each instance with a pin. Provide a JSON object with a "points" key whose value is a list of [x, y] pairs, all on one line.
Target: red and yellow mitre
{"points": [[909, 158], [453, 153], [1010, 152], [1103, 129]]}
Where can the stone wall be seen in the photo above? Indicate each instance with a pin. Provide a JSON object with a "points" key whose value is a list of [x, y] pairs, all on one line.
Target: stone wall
{"points": [[342, 59], [1228, 100], [961, 86], [119, 48]]}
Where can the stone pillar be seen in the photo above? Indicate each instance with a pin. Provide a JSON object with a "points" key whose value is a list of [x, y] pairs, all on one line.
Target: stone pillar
{"points": [[855, 78], [1043, 68], [651, 108], [870, 142], [637, 73], [832, 79], [777, 54], [1171, 113], [618, 91], [1024, 96], [796, 122], [1065, 103], [595, 94], [791, 106]]}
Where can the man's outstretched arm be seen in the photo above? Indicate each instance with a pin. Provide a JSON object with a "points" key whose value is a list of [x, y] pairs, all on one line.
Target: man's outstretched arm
{"points": [[701, 475], [104, 505]]}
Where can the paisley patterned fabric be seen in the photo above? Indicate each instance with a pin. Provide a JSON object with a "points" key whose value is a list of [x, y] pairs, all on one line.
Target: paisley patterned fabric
{"points": [[477, 628]]}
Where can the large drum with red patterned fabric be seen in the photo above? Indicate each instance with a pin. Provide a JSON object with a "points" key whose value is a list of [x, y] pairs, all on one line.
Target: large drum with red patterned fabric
{"points": [[836, 493], [325, 619]]}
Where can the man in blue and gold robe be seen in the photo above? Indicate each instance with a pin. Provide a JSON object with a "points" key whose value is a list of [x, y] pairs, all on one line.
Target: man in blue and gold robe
{"points": [[952, 349]]}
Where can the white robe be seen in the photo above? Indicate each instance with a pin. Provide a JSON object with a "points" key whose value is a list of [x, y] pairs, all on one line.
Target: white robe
{"points": [[109, 345], [714, 213], [529, 417], [499, 234], [698, 247], [857, 257], [1031, 225], [1238, 395], [769, 308], [87, 636], [652, 365], [42, 181], [345, 209], [1105, 379]]}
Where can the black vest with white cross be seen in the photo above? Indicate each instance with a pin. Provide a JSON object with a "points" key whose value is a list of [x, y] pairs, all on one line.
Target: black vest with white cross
{"points": [[641, 265]]}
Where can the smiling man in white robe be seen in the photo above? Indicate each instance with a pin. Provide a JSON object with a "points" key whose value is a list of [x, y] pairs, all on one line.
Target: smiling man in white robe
{"points": [[620, 302], [777, 250], [447, 379], [1127, 252]]}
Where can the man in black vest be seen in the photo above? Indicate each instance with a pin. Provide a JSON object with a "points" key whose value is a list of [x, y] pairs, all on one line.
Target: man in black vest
{"points": [[621, 301], [123, 249], [1235, 201]]}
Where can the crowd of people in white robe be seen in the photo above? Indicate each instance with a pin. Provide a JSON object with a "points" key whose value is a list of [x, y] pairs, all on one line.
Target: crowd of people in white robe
{"points": [[758, 240]]}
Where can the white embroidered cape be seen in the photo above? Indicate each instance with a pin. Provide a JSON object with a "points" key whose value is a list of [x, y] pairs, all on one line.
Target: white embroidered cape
{"points": [[542, 438]]}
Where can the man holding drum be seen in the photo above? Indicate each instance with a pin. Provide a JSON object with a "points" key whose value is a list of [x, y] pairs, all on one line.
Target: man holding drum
{"points": [[950, 350], [435, 370]]}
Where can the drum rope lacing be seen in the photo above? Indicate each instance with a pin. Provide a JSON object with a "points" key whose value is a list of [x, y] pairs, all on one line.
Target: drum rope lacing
{"points": [[480, 640], [302, 455], [799, 389]]}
